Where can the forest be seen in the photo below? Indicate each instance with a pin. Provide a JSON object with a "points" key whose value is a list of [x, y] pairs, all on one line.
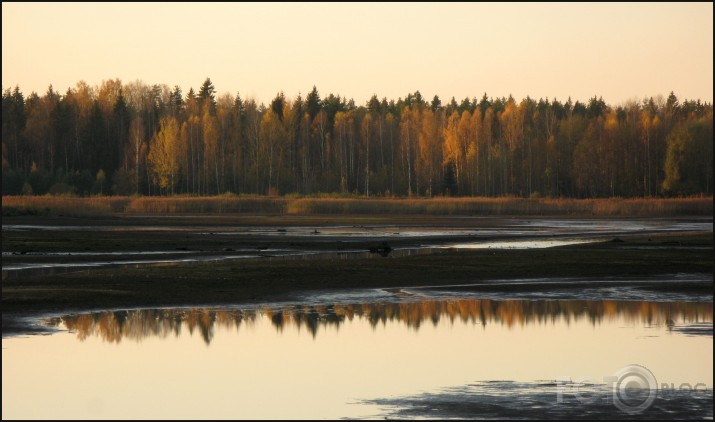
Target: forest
{"points": [[140, 139]]}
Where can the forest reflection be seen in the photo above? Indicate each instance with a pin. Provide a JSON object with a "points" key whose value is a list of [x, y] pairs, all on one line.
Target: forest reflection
{"points": [[113, 326]]}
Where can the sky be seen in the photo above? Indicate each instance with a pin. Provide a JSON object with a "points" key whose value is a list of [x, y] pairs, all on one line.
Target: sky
{"points": [[619, 51]]}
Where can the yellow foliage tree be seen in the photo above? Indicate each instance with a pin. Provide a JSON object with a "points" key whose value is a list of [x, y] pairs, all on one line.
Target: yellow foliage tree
{"points": [[451, 150], [163, 157]]}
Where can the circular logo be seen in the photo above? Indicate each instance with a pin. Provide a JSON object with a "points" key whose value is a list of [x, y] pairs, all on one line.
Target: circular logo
{"points": [[635, 389]]}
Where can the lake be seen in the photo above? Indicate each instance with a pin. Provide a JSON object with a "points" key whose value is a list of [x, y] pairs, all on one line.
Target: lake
{"points": [[367, 354]]}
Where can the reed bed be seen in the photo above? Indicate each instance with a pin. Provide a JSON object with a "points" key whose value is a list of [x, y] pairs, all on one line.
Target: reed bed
{"points": [[206, 205], [71, 206], [234, 204], [506, 206]]}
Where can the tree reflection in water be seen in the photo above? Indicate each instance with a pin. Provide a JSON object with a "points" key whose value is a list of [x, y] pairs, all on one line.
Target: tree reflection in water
{"points": [[113, 326]]}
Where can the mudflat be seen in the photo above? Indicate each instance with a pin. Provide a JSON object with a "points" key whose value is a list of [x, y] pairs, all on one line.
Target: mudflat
{"points": [[635, 254]]}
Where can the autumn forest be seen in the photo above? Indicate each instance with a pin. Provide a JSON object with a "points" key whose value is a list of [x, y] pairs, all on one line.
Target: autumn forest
{"points": [[134, 138]]}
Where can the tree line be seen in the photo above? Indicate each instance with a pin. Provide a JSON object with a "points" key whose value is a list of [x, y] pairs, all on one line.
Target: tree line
{"points": [[136, 138]]}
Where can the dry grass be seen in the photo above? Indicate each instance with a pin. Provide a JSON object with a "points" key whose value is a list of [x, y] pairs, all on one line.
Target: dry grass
{"points": [[505, 206], [72, 206], [231, 204], [223, 204]]}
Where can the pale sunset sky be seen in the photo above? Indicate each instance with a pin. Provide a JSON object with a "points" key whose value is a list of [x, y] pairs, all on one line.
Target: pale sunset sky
{"points": [[620, 51]]}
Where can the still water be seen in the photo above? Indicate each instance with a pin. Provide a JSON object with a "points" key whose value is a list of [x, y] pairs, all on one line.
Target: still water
{"points": [[355, 360]]}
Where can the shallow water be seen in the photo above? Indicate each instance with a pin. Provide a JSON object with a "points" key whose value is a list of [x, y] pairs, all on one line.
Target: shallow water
{"points": [[521, 244], [390, 354], [688, 287]]}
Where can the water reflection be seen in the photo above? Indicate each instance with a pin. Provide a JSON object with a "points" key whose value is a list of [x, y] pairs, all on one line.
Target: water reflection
{"points": [[114, 326]]}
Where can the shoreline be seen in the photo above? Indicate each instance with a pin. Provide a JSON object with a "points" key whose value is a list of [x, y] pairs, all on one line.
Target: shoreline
{"points": [[27, 322]]}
